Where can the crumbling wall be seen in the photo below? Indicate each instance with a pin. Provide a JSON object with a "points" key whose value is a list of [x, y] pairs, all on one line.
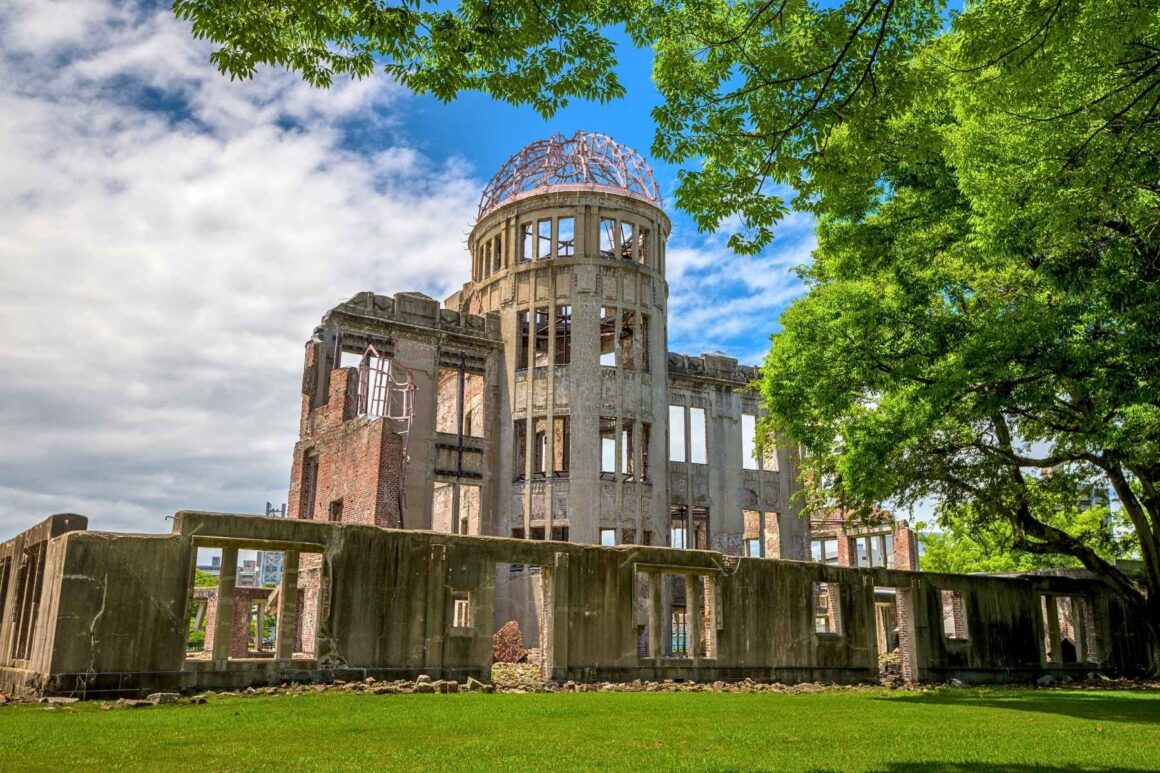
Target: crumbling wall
{"points": [[394, 602]]}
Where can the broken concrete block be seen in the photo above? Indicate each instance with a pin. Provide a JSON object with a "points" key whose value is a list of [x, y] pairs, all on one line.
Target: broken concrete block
{"points": [[423, 679], [424, 687], [473, 684], [1045, 681], [198, 700], [450, 687], [59, 700], [159, 698]]}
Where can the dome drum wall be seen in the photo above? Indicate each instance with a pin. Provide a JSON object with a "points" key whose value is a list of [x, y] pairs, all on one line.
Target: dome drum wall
{"points": [[577, 278]]}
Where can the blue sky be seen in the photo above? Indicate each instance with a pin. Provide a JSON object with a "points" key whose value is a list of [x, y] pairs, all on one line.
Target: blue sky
{"points": [[169, 239]]}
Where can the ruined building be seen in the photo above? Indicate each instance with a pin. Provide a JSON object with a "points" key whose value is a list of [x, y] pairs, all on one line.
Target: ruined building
{"points": [[528, 450]]}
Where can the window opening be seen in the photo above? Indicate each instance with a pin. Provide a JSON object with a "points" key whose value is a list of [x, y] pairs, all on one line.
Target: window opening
{"points": [[607, 336], [749, 442], [523, 332], [607, 238], [645, 434], [561, 437], [627, 457], [520, 448], [824, 551], [827, 615], [644, 246], [527, 242], [627, 240], [543, 334], [497, 256], [563, 335], [954, 615], [697, 436], [644, 344], [607, 446], [676, 433], [336, 511], [544, 242], [565, 237], [309, 485], [626, 357], [608, 537], [461, 609]]}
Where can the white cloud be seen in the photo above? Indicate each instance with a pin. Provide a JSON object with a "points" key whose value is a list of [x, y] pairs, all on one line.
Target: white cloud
{"points": [[721, 300], [168, 240]]}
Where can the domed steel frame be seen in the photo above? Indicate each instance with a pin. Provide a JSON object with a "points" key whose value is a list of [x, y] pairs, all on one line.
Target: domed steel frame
{"points": [[585, 161]]}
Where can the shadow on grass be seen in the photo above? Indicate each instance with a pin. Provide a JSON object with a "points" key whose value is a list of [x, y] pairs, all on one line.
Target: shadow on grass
{"points": [[979, 767], [1096, 706]]}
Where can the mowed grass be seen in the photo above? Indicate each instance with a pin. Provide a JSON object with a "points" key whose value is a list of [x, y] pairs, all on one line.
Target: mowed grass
{"points": [[944, 729]]}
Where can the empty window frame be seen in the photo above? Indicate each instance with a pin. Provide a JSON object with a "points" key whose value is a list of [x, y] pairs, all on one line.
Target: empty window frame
{"points": [[642, 335], [824, 551], [607, 446], [874, 550], [698, 453], [953, 615], [497, 254], [608, 537], [519, 448], [752, 547], [309, 487], [679, 633], [626, 356], [543, 335], [608, 336], [561, 439], [626, 240], [644, 246], [565, 237], [460, 609], [627, 457], [677, 433], [749, 442], [523, 334], [543, 239], [645, 437], [336, 511], [560, 533], [541, 449], [563, 335], [487, 265], [678, 527], [527, 242], [827, 609], [607, 237]]}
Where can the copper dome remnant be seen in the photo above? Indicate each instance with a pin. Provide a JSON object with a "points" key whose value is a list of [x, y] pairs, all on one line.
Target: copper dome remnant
{"points": [[584, 161]]}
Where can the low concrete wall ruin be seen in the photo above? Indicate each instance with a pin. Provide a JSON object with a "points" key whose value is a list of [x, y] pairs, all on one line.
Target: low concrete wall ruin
{"points": [[101, 614]]}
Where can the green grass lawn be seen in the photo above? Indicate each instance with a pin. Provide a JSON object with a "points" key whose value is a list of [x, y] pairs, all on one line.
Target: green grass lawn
{"points": [[946, 729]]}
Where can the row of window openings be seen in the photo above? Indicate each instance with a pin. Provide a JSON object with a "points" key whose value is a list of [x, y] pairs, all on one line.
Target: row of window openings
{"points": [[623, 342], [869, 551], [549, 238]]}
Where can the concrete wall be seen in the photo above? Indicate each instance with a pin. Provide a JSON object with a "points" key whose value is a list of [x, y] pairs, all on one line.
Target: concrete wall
{"points": [[116, 609]]}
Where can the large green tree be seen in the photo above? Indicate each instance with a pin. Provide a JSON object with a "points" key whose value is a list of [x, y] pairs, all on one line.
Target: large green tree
{"points": [[983, 304]]}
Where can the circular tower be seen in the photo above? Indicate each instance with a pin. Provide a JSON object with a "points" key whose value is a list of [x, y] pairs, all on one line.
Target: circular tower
{"points": [[569, 250]]}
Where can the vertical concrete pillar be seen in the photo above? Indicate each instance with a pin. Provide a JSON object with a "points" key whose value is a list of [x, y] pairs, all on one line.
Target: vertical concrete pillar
{"points": [[1053, 643], [559, 642], [223, 624], [287, 633], [693, 629], [655, 615], [436, 622]]}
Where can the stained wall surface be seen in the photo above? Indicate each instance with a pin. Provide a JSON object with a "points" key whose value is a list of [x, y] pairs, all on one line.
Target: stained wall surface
{"points": [[114, 610]]}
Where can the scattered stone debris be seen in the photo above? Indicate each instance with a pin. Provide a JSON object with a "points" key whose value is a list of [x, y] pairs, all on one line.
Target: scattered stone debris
{"points": [[159, 698], [517, 675]]}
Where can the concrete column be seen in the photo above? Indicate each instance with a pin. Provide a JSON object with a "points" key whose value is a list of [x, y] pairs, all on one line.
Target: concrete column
{"points": [[1053, 648], [436, 621], [693, 627], [655, 615], [223, 624], [287, 633]]}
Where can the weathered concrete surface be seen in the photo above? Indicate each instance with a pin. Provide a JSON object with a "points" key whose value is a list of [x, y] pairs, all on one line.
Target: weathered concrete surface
{"points": [[115, 608]]}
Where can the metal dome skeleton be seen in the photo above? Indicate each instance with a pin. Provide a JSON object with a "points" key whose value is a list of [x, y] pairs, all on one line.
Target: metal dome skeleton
{"points": [[585, 161]]}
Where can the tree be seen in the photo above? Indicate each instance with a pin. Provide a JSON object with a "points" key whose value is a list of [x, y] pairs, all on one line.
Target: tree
{"points": [[983, 302], [203, 579], [971, 542]]}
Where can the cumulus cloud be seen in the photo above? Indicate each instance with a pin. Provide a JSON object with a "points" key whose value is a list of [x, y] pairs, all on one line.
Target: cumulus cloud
{"points": [[719, 300], [168, 240]]}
